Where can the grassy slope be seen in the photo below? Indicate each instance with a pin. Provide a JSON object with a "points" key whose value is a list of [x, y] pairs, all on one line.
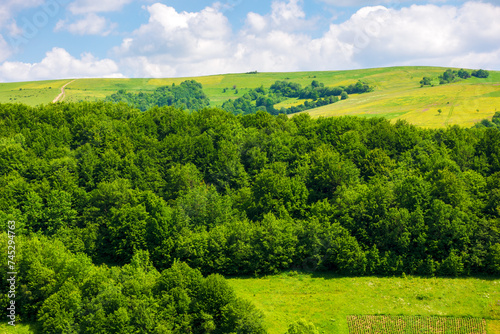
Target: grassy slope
{"points": [[31, 93], [327, 300], [397, 93]]}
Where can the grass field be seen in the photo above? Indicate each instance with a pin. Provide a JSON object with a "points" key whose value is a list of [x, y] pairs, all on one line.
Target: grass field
{"points": [[31, 93], [17, 329], [327, 301], [463, 103], [397, 93]]}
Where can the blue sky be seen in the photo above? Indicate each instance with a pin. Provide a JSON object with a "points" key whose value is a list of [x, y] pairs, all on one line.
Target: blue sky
{"points": [[57, 39]]}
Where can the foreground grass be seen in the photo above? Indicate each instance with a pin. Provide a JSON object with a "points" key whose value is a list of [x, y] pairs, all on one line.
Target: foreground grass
{"points": [[18, 329], [327, 300]]}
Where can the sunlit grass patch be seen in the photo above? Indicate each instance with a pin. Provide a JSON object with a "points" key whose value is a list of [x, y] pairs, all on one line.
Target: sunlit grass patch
{"points": [[293, 102], [19, 328], [494, 327], [327, 300]]}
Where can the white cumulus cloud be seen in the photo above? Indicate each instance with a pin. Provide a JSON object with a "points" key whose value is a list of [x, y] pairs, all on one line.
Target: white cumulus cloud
{"points": [[196, 43], [59, 64], [91, 24], [173, 42], [97, 6], [285, 16], [283, 12], [177, 43], [477, 60], [419, 35]]}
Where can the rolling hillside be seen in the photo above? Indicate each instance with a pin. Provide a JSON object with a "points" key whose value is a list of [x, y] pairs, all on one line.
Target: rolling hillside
{"points": [[397, 93]]}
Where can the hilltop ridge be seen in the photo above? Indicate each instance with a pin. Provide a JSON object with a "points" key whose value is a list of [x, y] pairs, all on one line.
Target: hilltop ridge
{"points": [[397, 93]]}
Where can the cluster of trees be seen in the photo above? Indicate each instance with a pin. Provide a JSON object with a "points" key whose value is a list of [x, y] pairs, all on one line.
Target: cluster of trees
{"points": [[188, 95], [486, 123], [253, 194], [265, 100], [480, 74], [316, 89], [255, 99], [450, 76], [65, 293]]}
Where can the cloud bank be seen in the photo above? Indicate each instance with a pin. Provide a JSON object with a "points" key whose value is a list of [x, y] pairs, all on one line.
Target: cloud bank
{"points": [[59, 64], [175, 43], [180, 44]]}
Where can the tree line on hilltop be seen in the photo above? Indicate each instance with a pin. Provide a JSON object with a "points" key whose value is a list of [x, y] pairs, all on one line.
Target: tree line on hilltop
{"points": [[450, 76]]}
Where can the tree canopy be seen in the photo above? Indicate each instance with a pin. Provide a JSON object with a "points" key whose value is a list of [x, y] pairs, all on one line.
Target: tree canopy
{"points": [[188, 95], [66, 293], [252, 194], [128, 218]]}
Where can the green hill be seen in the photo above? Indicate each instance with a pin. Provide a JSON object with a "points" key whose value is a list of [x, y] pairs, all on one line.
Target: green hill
{"points": [[397, 93], [99, 199]]}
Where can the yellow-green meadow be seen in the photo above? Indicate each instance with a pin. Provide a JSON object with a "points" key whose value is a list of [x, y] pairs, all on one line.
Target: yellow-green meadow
{"points": [[397, 93]]}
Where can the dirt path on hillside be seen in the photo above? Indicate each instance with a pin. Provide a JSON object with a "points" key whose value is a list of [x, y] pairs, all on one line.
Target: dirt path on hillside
{"points": [[450, 113], [61, 96]]}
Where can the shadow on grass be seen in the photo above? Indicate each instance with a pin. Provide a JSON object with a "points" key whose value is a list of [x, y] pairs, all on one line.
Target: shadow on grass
{"points": [[330, 275]]}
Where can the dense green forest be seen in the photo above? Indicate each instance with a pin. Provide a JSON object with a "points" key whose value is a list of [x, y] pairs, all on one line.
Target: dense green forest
{"points": [[66, 293], [93, 186], [255, 193]]}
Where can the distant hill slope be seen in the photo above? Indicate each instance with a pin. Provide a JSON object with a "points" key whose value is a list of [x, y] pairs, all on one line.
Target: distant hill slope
{"points": [[397, 93]]}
